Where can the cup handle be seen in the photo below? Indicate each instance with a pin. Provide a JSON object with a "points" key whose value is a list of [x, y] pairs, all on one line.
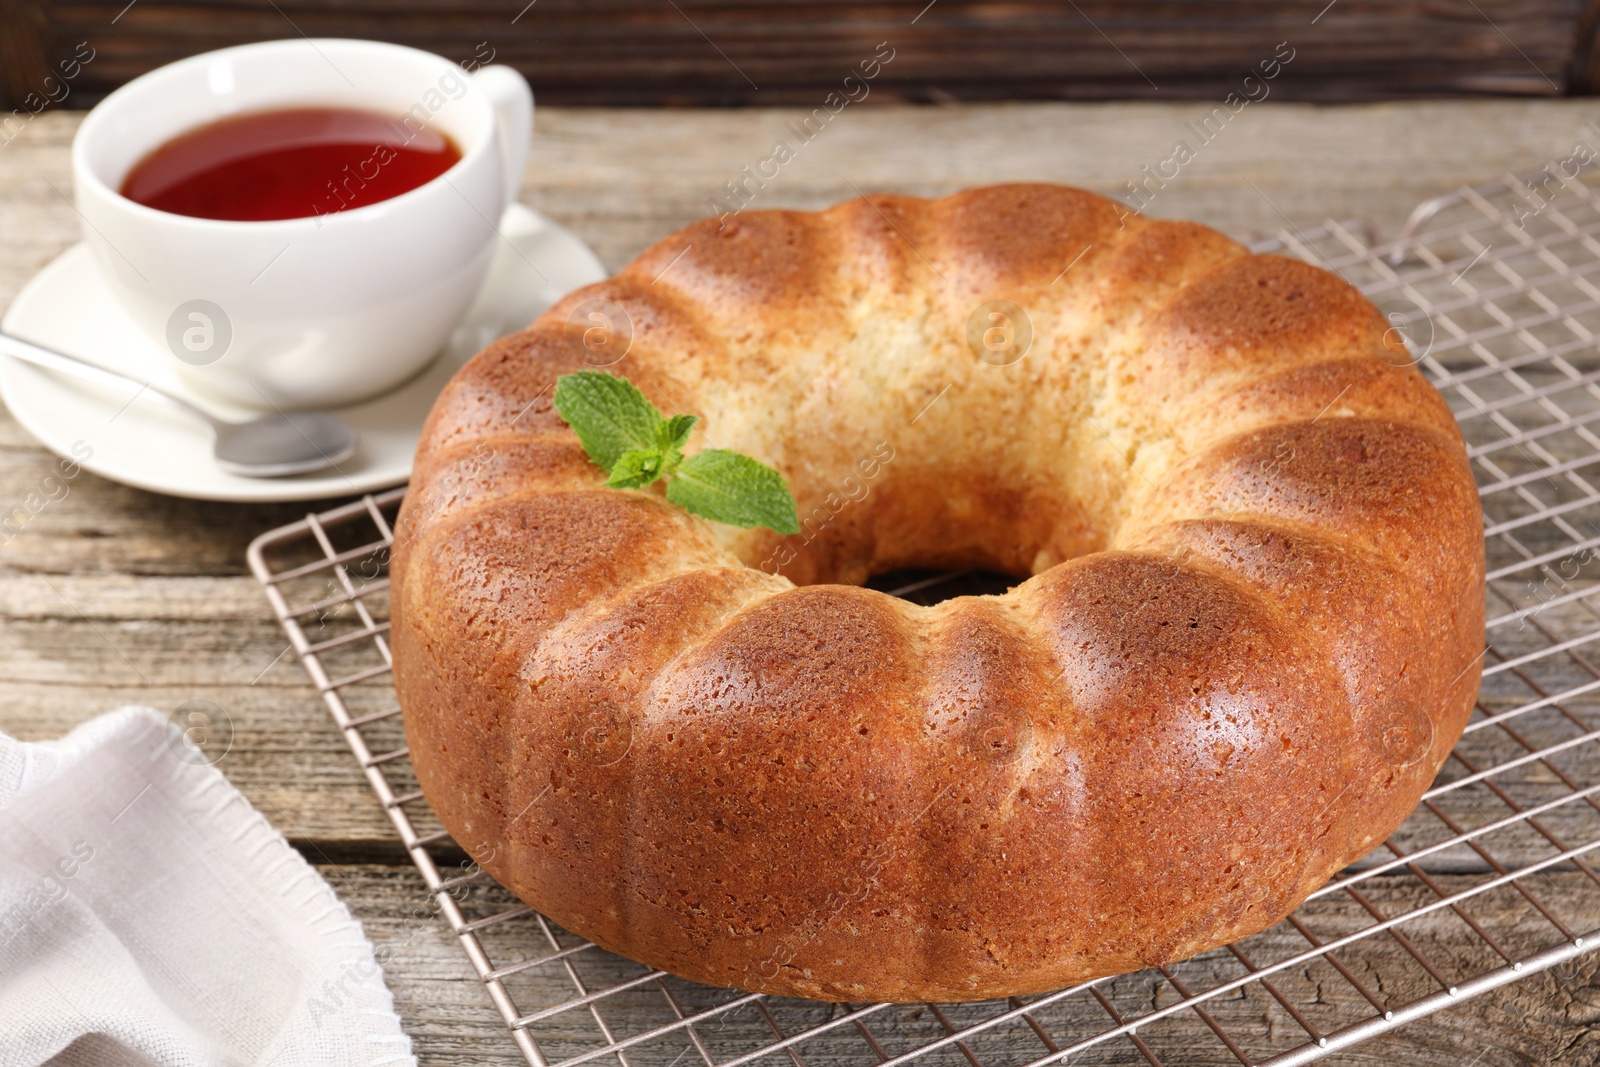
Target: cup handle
{"points": [[508, 91]]}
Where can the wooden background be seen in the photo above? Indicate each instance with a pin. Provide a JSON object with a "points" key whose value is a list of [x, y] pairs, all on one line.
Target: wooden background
{"points": [[722, 52]]}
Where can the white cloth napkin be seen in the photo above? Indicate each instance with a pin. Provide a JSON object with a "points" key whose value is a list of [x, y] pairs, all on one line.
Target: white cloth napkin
{"points": [[149, 915]]}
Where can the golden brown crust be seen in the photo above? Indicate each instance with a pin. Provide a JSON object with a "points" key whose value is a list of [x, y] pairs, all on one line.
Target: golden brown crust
{"points": [[1250, 637], [1013, 238]]}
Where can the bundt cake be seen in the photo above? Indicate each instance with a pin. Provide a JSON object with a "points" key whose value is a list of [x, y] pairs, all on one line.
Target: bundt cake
{"points": [[1246, 632]]}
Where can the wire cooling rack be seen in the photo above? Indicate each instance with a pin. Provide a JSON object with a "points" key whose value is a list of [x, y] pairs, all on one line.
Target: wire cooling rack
{"points": [[1496, 291]]}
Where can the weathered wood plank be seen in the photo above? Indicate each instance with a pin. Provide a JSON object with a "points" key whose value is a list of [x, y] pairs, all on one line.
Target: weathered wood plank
{"points": [[1548, 1020], [25, 50], [763, 53]]}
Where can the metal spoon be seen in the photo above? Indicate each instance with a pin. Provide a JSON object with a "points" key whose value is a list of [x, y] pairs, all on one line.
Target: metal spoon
{"points": [[272, 446]]}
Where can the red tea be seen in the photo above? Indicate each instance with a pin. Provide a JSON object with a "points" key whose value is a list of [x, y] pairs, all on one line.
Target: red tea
{"points": [[288, 164]]}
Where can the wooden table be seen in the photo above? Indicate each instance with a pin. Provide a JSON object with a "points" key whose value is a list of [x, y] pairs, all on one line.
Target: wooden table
{"points": [[113, 596]]}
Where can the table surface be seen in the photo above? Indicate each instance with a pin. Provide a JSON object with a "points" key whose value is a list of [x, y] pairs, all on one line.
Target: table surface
{"points": [[113, 596]]}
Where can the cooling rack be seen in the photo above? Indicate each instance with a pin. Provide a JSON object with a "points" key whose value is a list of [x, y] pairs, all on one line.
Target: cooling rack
{"points": [[1496, 292]]}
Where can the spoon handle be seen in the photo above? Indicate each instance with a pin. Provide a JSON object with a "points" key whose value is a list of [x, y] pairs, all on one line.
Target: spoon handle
{"points": [[39, 356]]}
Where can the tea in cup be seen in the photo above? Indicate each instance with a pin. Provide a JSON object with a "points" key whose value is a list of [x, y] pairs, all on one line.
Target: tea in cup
{"points": [[301, 223]]}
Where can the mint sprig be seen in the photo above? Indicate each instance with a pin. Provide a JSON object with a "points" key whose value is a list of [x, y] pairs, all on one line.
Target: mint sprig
{"points": [[635, 444]]}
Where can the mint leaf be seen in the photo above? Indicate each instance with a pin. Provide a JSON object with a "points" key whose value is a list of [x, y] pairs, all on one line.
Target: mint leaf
{"points": [[636, 468], [609, 415], [730, 487], [628, 438], [673, 434]]}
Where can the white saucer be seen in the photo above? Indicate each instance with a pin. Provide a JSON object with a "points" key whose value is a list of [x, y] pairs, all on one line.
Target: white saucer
{"points": [[67, 306]]}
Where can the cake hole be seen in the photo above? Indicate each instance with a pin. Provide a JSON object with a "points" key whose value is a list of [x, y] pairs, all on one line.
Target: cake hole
{"points": [[928, 587]]}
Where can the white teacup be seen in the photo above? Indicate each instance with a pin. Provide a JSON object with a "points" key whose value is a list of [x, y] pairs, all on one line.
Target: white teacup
{"points": [[315, 311]]}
